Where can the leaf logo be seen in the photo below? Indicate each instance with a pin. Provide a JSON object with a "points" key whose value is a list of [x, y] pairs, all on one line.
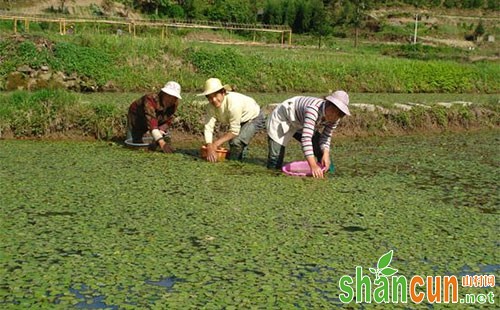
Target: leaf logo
{"points": [[383, 269]]}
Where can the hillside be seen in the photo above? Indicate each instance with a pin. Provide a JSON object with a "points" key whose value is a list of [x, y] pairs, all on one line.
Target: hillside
{"points": [[385, 24]]}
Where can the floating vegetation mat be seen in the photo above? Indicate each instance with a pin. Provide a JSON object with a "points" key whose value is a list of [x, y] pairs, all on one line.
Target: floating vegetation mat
{"points": [[98, 225]]}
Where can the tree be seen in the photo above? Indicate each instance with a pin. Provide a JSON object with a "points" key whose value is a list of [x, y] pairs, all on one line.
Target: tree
{"points": [[195, 9], [62, 5], [273, 13], [236, 11], [479, 31], [477, 4], [289, 9], [435, 3], [302, 17], [360, 7], [449, 4], [493, 5], [320, 21], [153, 6], [176, 11]]}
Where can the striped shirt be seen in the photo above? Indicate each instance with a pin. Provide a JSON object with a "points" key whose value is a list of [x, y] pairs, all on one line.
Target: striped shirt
{"points": [[309, 111]]}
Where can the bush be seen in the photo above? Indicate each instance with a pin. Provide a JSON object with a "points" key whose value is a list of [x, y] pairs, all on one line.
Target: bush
{"points": [[36, 114], [226, 64], [90, 62], [45, 112]]}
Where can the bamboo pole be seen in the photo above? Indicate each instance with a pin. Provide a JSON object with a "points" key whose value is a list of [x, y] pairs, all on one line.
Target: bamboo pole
{"points": [[27, 25], [416, 27], [132, 25]]}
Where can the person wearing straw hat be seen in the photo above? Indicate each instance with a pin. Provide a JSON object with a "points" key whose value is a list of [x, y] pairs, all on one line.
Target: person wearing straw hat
{"points": [[240, 112], [298, 118], [154, 113]]}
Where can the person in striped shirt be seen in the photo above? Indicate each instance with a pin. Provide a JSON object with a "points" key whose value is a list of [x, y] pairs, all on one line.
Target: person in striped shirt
{"points": [[298, 118]]}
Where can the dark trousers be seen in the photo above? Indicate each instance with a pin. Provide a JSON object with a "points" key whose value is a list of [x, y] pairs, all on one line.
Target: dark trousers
{"points": [[238, 146], [276, 151]]}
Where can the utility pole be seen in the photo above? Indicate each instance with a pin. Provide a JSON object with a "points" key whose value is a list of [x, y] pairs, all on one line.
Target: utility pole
{"points": [[416, 27]]}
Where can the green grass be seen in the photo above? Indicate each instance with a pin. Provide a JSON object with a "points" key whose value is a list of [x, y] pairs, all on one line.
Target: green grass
{"points": [[87, 222], [49, 113], [144, 63]]}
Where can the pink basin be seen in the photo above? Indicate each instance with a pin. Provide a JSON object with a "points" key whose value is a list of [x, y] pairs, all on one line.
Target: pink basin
{"points": [[299, 168]]}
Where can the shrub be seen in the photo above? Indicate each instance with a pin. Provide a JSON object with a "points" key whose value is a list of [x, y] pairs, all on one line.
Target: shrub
{"points": [[226, 64], [90, 62], [36, 114], [45, 112]]}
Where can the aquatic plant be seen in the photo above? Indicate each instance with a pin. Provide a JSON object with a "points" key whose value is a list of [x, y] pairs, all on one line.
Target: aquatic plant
{"points": [[94, 224]]}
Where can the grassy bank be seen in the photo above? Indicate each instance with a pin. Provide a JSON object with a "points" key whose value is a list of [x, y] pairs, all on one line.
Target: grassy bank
{"points": [[144, 63], [49, 113]]}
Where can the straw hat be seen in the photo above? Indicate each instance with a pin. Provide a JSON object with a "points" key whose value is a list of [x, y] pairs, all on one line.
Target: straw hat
{"points": [[172, 88], [213, 85], [341, 100]]}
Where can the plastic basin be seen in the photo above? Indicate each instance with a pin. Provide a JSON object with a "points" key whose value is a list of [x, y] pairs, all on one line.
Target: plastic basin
{"points": [[300, 168]]}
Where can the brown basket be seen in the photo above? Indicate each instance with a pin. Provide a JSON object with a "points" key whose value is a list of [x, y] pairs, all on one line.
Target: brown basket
{"points": [[222, 153]]}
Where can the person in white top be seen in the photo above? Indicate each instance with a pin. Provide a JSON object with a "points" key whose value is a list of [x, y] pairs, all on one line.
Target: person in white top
{"points": [[240, 112]]}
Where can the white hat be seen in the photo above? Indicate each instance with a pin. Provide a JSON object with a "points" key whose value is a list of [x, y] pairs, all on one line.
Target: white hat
{"points": [[173, 89], [213, 85], [341, 100]]}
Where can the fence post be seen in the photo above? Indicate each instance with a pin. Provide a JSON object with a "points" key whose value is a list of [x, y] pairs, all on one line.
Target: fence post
{"points": [[15, 25], [62, 26], [416, 27]]}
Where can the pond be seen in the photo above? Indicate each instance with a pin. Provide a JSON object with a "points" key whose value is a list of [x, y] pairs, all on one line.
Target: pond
{"points": [[98, 225]]}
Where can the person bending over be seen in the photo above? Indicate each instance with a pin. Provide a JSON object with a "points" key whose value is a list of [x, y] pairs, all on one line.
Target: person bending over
{"points": [[154, 113], [298, 118], [241, 112]]}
